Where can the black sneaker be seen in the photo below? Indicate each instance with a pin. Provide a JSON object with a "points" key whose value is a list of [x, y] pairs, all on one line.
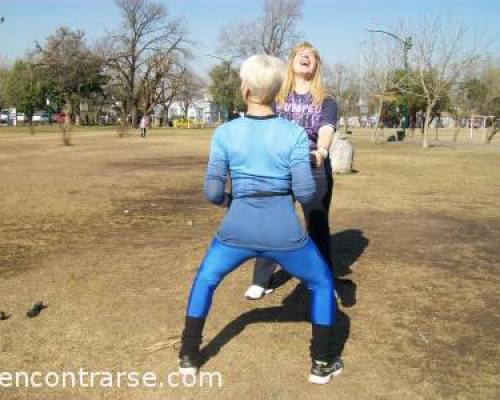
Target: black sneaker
{"points": [[323, 371], [188, 365]]}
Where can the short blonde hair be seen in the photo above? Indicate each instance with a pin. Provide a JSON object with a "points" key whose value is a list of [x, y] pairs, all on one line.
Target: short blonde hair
{"points": [[317, 89], [263, 75]]}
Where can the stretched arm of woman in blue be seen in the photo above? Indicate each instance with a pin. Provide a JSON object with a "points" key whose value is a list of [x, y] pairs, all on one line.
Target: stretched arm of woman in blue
{"points": [[217, 170]]}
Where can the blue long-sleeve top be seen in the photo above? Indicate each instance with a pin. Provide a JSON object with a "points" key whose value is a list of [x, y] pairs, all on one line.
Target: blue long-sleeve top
{"points": [[261, 155]]}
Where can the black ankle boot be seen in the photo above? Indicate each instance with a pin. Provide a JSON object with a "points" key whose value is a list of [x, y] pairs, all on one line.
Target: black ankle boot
{"points": [[326, 361], [189, 353]]}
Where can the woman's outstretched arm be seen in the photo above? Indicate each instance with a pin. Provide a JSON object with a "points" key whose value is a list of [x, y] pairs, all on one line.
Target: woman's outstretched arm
{"points": [[217, 170]]}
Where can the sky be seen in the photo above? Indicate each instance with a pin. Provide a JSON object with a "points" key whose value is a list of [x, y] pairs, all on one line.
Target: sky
{"points": [[335, 27]]}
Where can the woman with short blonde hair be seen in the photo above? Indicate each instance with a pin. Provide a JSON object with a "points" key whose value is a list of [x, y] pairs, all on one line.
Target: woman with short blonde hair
{"points": [[263, 75], [268, 161]]}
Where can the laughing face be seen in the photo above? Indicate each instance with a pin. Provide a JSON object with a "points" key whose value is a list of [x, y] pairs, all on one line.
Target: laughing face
{"points": [[304, 63]]}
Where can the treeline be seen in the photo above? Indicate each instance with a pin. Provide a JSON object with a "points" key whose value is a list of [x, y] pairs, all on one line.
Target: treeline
{"points": [[142, 63], [409, 76]]}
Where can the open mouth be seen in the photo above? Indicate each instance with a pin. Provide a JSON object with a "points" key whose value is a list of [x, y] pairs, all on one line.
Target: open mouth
{"points": [[305, 63]]}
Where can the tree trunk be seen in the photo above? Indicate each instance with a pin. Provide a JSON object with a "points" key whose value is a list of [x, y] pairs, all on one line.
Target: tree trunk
{"points": [[457, 132], [133, 112], [380, 108], [31, 126], [428, 111], [165, 113], [491, 134]]}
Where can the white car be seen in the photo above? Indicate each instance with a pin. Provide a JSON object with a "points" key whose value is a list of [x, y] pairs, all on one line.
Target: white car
{"points": [[21, 117], [4, 116], [41, 117]]}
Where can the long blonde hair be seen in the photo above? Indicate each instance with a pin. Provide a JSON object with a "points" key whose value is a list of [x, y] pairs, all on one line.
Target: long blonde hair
{"points": [[317, 90]]}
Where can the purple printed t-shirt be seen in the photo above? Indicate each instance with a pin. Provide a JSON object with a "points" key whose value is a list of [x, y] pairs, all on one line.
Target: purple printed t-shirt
{"points": [[300, 109]]}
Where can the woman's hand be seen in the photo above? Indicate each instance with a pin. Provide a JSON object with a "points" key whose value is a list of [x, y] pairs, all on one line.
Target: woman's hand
{"points": [[316, 159], [228, 198]]}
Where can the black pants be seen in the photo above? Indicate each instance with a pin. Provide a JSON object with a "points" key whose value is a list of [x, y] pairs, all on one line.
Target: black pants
{"points": [[317, 223], [316, 212]]}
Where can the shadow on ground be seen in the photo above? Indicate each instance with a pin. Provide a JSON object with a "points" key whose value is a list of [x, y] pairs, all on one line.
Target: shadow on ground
{"points": [[347, 247]]}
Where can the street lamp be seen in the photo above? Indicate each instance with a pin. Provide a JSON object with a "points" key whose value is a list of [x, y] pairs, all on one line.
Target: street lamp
{"points": [[407, 43], [224, 60]]}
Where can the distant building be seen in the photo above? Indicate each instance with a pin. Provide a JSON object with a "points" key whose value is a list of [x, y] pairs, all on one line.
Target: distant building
{"points": [[201, 110]]}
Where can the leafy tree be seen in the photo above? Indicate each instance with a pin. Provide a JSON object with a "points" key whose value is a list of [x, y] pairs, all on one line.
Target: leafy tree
{"points": [[487, 98], [72, 68], [4, 76], [225, 88], [26, 89]]}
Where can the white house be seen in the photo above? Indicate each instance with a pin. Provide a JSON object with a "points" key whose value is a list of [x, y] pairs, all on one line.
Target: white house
{"points": [[201, 110]]}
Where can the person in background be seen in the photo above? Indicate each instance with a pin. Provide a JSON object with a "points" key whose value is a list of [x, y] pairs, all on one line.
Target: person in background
{"points": [[143, 125], [302, 100]]}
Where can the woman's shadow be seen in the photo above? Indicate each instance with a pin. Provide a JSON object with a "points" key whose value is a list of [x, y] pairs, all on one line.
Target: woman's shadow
{"points": [[346, 246]]}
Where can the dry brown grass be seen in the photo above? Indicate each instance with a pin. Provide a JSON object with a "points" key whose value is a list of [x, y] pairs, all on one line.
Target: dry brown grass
{"points": [[109, 233]]}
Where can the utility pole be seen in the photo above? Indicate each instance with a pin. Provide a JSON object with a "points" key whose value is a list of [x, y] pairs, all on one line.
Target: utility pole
{"points": [[363, 104], [407, 45]]}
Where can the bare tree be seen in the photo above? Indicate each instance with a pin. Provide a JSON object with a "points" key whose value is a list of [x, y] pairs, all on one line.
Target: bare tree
{"points": [[342, 82], [172, 88], [382, 59], [162, 77], [442, 52], [190, 89], [274, 33], [139, 52]]}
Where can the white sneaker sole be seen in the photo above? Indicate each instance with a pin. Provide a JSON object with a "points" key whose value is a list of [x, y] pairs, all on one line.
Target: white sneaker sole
{"points": [[250, 297], [188, 371], [323, 380]]}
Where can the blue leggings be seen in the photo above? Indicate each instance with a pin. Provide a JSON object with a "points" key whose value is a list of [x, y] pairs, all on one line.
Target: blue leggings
{"points": [[305, 264]]}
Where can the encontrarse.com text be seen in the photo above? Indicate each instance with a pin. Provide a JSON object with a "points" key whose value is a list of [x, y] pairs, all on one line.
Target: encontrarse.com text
{"points": [[106, 379]]}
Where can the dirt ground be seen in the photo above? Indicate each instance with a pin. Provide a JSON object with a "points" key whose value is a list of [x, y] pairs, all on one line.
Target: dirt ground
{"points": [[109, 232]]}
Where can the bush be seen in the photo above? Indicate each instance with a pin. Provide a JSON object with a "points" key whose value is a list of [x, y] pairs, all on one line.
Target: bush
{"points": [[187, 123]]}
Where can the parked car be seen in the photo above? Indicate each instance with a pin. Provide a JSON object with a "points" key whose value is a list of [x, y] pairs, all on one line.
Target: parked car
{"points": [[4, 116], [58, 117], [22, 117], [41, 117], [106, 119]]}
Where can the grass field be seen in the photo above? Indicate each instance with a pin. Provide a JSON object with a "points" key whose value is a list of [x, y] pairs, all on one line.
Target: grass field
{"points": [[109, 232]]}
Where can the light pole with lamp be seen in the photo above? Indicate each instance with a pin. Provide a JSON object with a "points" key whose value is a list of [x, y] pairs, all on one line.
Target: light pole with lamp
{"points": [[407, 45]]}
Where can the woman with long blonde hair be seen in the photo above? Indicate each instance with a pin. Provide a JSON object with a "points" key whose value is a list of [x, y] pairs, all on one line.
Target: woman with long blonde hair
{"points": [[267, 160], [302, 99]]}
